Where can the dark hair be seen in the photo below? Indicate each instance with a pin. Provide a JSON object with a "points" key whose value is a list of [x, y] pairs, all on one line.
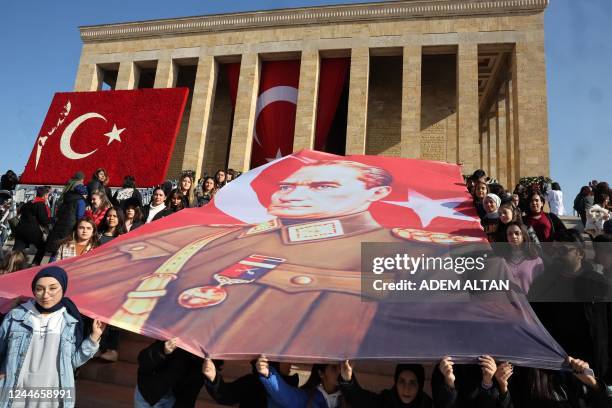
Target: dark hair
{"points": [[175, 194], [530, 197], [137, 211], [371, 176], [600, 198], [569, 235], [120, 228], [498, 190], [95, 175], [160, 188], [204, 184], [479, 174], [541, 384], [417, 369], [315, 377], [528, 248], [585, 190], [94, 234], [478, 183], [129, 182], [42, 190], [555, 186], [217, 183]]}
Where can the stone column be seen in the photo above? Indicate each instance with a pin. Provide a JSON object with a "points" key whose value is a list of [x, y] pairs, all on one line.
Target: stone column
{"points": [[306, 111], [126, 78], [411, 102], [502, 151], [166, 72], [467, 106], [530, 111], [512, 175], [492, 171], [244, 113], [89, 78], [358, 101], [201, 112], [484, 152]]}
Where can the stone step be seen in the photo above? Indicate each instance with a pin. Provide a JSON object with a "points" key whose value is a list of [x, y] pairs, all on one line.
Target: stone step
{"points": [[94, 394]]}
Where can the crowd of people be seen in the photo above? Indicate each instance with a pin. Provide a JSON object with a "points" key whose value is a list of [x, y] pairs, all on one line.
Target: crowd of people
{"points": [[88, 215]]}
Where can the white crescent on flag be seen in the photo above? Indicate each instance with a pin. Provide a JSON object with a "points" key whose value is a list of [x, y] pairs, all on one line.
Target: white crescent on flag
{"points": [[65, 146], [275, 94]]}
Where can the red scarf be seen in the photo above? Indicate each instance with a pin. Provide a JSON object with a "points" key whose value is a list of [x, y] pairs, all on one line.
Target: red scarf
{"points": [[42, 200]]}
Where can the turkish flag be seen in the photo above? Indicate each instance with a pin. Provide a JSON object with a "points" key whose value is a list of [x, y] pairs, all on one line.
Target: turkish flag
{"points": [[275, 112], [126, 132]]}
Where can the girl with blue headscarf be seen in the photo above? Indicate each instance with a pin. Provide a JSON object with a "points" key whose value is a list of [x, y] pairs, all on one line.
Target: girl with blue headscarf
{"points": [[42, 343]]}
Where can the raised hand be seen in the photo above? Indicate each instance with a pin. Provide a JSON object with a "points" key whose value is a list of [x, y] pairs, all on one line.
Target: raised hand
{"points": [[346, 371], [579, 367], [209, 370], [488, 366], [502, 375], [446, 368], [170, 346], [97, 330], [262, 366]]}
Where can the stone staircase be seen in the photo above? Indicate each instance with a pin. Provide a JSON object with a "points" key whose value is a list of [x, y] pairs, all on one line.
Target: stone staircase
{"points": [[111, 385]]}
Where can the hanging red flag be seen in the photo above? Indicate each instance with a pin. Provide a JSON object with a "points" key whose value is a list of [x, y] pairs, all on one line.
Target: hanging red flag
{"points": [[275, 112], [126, 132]]}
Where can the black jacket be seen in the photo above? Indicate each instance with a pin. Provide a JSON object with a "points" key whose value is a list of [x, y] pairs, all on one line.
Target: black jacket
{"points": [[66, 220], [357, 397], [468, 391], [33, 217], [179, 372], [247, 391], [555, 222]]}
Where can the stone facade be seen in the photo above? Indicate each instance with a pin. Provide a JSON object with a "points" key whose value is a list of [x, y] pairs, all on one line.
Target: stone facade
{"points": [[458, 81]]}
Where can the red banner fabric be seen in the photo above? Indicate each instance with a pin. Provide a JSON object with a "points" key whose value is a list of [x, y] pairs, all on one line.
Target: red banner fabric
{"points": [[273, 265], [232, 72], [275, 112], [126, 132], [331, 83]]}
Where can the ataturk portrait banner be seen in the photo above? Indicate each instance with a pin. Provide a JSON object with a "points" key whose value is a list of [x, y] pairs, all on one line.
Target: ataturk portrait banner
{"points": [[273, 265]]}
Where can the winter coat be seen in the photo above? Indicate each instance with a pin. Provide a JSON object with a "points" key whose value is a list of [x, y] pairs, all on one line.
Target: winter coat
{"points": [[33, 217], [71, 210], [357, 397]]}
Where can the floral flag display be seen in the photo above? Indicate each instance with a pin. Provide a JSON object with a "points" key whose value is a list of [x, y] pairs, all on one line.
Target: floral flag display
{"points": [[126, 132]]}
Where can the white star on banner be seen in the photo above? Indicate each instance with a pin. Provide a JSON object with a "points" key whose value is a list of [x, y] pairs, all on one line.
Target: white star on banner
{"points": [[114, 134], [427, 209], [279, 154]]}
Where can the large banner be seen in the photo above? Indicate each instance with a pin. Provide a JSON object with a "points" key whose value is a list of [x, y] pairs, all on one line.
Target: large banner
{"points": [[273, 265], [125, 132]]}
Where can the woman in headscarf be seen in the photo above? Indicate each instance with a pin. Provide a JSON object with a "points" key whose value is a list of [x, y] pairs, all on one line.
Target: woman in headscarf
{"points": [[407, 390], [42, 342]]}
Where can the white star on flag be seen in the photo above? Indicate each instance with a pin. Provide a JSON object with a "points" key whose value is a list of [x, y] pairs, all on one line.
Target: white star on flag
{"points": [[427, 209], [279, 154], [114, 134]]}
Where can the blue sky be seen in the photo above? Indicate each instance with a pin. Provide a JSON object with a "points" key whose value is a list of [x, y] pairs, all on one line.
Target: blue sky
{"points": [[40, 48]]}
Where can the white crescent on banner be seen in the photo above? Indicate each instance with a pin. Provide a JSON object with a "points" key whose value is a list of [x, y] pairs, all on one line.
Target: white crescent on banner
{"points": [[275, 94], [242, 203], [65, 146]]}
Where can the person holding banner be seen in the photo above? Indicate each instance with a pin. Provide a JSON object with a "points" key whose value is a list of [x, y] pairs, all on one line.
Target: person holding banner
{"points": [[407, 390], [42, 343]]}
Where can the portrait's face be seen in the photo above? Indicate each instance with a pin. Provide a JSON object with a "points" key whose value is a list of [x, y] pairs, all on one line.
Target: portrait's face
{"points": [[130, 212], [48, 292], [220, 177], [322, 192], [102, 176], [481, 190], [515, 199]]}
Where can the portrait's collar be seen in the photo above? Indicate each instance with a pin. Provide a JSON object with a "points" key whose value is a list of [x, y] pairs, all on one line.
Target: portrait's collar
{"points": [[301, 231]]}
